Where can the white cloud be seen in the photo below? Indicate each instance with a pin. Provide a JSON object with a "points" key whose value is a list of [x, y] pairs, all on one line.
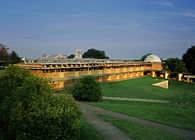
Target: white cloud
{"points": [[187, 13], [167, 3]]}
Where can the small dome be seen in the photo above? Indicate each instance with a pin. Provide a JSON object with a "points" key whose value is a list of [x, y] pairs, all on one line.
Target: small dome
{"points": [[152, 58]]}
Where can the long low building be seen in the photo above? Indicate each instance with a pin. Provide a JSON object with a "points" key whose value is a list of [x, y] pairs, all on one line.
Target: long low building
{"points": [[63, 72]]}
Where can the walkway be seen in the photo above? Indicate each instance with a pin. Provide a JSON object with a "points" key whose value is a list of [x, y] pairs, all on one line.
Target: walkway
{"points": [[134, 99], [110, 132], [106, 129]]}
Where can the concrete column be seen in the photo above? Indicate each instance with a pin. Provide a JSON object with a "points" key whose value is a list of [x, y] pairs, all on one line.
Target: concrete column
{"points": [[188, 80], [180, 76], [153, 74], [166, 75]]}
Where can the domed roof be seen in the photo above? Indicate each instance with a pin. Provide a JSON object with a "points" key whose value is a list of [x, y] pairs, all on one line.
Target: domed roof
{"points": [[152, 58]]}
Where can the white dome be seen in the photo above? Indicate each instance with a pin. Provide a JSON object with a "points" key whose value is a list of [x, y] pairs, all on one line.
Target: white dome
{"points": [[152, 58]]}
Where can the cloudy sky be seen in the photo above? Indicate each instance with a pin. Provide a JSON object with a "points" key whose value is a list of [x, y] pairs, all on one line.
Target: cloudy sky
{"points": [[125, 29]]}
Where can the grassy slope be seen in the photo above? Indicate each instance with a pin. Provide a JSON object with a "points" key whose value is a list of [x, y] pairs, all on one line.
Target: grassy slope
{"points": [[172, 114], [142, 88], [164, 113], [140, 132]]}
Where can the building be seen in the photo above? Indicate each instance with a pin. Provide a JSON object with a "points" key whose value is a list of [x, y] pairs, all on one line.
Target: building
{"points": [[63, 72]]}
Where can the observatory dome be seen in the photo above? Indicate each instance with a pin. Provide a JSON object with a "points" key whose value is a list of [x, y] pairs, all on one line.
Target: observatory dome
{"points": [[152, 58]]}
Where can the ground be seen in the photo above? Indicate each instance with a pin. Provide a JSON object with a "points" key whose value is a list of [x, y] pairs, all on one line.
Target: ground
{"points": [[178, 113]]}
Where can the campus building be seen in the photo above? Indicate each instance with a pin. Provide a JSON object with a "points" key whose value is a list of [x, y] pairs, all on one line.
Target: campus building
{"points": [[62, 72]]}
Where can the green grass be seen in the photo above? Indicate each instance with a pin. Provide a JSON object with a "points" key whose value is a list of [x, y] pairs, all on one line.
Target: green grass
{"points": [[140, 132], [142, 88], [164, 113], [88, 132]]}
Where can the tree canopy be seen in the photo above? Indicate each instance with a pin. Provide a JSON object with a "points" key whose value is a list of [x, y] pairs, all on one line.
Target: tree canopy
{"points": [[30, 111], [174, 65], [144, 56], [189, 59], [7, 58], [87, 89], [71, 56], [93, 53]]}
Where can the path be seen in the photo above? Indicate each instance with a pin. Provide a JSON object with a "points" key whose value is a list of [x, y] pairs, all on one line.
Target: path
{"points": [[91, 112], [106, 129], [134, 99]]}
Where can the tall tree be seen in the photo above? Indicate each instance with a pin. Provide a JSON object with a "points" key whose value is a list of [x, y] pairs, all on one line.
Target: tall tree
{"points": [[189, 59], [175, 65], [93, 53], [14, 58], [71, 56], [144, 56]]}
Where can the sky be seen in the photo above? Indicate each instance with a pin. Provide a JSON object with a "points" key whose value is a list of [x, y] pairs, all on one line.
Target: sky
{"points": [[124, 29]]}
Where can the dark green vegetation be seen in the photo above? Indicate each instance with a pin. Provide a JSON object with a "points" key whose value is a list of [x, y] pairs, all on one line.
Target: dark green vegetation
{"points": [[88, 132], [30, 111], [93, 53], [86, 89], [144, 56], [189, 59], [7, 58], [175, 65], [179, 112], [140, 132]]}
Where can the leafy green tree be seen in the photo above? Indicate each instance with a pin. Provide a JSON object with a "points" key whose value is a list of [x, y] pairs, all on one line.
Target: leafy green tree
{"points": [[14, 58], [144, 56], [71, 56], [30, 111], [174, 65], [87, 89], [189, 59], [93, 53]]}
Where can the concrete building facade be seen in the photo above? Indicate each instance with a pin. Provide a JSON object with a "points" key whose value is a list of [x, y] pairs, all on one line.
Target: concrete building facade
{"points": [[63, 72]]}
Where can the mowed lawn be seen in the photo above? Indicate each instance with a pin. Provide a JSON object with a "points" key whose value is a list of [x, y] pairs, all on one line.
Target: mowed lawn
{"points": [[143, 88], [179, 112]]}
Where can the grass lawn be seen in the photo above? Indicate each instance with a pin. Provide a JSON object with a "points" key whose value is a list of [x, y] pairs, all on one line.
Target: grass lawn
{"points": [[142, 88], [88, 132], [140, 132], [164, 113]]}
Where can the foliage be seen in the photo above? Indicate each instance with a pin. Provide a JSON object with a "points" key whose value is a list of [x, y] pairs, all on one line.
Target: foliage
{"points": [[87, 89], [14, 58], [93, 53], [9, 58], [30, 111], [71, 56], [174, 65], [144, 56], [189, 59]]}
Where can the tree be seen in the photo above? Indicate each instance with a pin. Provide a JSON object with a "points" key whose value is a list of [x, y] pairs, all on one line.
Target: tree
{"points": [[14, 58], [144, 56], [71, 56], [87, 89], [189, 59], [93, 53], [175, 65], [30, 111]]}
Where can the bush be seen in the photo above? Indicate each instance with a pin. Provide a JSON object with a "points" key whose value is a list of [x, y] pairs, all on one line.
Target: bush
{"points": [[87, 89], [33, 112]]}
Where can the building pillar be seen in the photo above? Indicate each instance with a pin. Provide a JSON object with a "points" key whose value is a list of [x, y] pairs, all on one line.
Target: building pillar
{"points": [[188, 80], [166, 75], [153, 74], [180, 76]]}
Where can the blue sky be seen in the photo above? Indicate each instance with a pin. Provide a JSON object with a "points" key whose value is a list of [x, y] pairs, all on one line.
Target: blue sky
{"points": [[125, 29]]}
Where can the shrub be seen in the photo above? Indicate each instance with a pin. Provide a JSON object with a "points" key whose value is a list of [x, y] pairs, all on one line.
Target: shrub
{"points": [[34, 113], [87, 89]]}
